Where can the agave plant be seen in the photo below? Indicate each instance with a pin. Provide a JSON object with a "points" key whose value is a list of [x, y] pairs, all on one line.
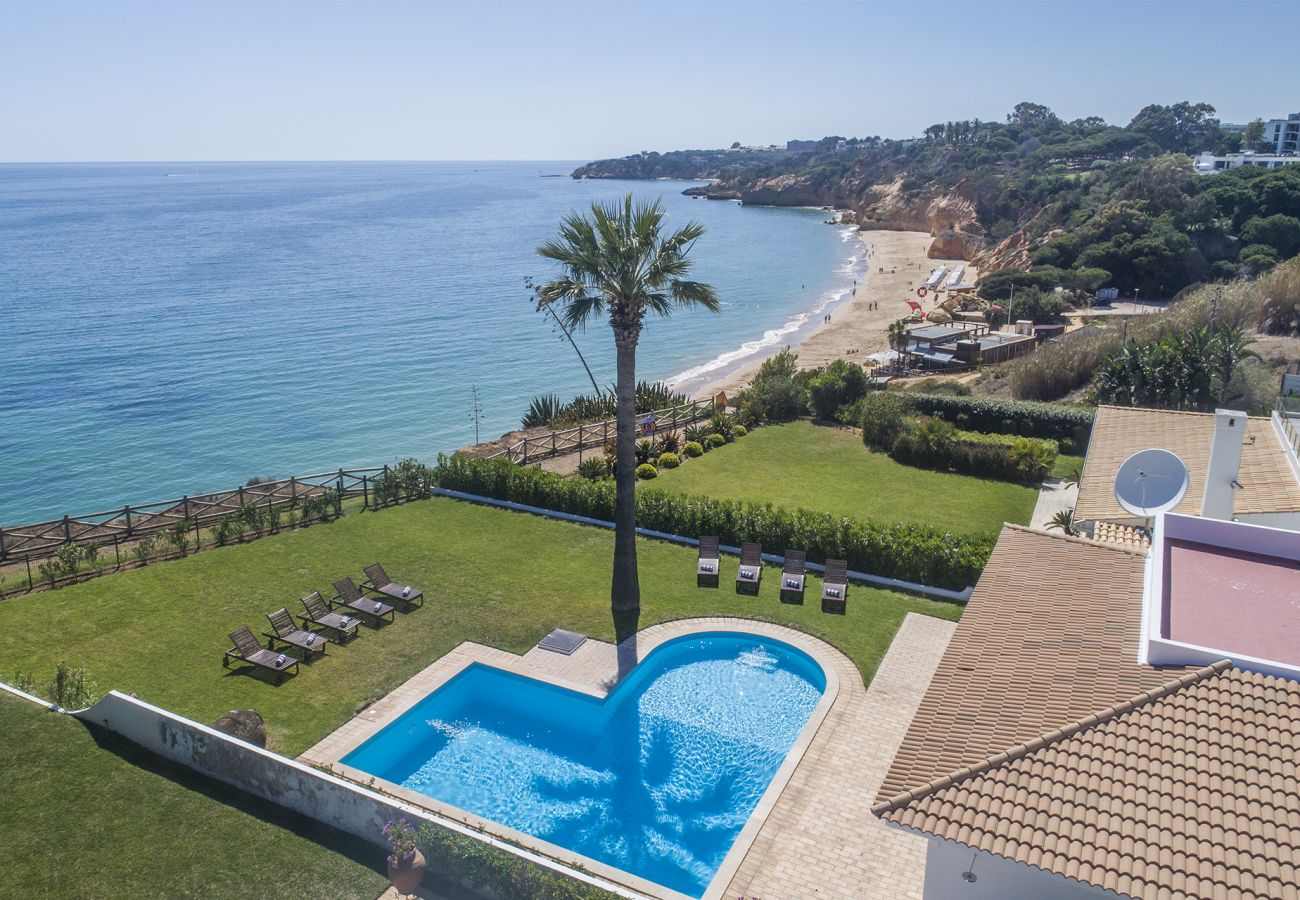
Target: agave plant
{"points": [[645, 450], [1064, 520], [670, 442], [542, 411], [698, 433]]}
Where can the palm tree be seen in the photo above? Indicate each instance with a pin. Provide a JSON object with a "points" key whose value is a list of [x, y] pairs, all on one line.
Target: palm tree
{"points": [[1229, 349], [619, 262]]}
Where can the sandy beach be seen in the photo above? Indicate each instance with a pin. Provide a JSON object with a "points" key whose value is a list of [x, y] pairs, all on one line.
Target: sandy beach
{"points": [[898, 265]]}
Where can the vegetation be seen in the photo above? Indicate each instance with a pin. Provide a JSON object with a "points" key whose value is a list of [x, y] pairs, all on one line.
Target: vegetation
{"points": [[935, 443], [1191, 370], [813, 467], [620, 263], [86, 813], [1067, 425], [548, 410], [777, 394], [645, 471], [189, 605]]}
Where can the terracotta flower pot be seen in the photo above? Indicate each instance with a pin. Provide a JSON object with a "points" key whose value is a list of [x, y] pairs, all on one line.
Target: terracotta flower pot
{"points": [[406, 875]]}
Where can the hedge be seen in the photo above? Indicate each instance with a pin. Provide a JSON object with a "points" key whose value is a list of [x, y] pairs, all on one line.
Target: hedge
{"points": [[1066, 424], [1004, 456], [918, 553]]}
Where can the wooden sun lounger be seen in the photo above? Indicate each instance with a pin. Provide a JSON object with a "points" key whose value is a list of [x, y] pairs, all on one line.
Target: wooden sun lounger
{"points": [[709, 563], [751, 568], [342, 626], [377, 580], [350, 597], [792, 576], [248, 650], [835, 586], [284, 630]]}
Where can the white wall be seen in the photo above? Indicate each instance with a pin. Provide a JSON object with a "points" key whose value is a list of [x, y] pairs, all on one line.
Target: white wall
{"points": [[996, 878], [287, 782]]}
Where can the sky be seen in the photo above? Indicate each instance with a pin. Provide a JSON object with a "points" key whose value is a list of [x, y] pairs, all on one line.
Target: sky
{"points": [[312, 79]]}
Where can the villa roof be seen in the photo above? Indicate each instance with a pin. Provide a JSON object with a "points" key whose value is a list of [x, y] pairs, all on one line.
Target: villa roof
{"points": [[1267, 482], [1042, 739]]}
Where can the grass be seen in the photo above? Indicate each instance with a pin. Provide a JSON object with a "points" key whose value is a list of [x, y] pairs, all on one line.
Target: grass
{"points": [[803, 465], [499, 578], [84, 813], [1065, 465]]}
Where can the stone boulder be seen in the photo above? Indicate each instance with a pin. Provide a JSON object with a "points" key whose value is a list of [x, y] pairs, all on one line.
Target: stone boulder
{"points": [[245, 724]]}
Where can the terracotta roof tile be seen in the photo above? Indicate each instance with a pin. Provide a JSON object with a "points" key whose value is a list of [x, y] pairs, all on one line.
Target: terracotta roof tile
{"points": [[1175, 782], [1268, 484]]}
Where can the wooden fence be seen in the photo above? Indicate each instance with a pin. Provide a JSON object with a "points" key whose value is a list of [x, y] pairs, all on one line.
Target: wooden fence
{"points": [[598, 434], [128, 523]]}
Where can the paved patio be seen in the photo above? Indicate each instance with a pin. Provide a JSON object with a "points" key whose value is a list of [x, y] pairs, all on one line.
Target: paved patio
{"points": [[818, 837]]}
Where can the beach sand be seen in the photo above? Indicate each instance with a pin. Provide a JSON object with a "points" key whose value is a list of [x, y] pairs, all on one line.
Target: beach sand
{"points": [[854, 326]]}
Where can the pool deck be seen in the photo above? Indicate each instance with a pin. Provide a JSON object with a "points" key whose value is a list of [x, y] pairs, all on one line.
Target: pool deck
{"points": [[812, 834]]}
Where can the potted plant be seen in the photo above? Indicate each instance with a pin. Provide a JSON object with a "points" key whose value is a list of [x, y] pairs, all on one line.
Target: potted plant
{"points": [[406, 864]]}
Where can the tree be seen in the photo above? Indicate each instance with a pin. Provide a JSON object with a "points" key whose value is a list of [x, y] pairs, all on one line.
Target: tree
{"points": [[1253, 136], [1280, 232], [1032, 115], [1182, 128], [1229, 349], [619, 262]]}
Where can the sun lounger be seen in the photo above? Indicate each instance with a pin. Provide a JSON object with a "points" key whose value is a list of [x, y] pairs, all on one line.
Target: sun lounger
{"points": [[344, 627], [377, 580], [792, 576], [751, 568], [248, 650], [709, 563], [835, 586], [350, 597], [284, 630]]}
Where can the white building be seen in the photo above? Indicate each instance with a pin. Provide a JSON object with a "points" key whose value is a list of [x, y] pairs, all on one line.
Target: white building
{"points": [[1284, 134], [1208, 163]]}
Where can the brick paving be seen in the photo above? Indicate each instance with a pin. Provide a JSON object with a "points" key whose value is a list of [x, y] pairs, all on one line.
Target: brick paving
{"points": [[819, 838]]}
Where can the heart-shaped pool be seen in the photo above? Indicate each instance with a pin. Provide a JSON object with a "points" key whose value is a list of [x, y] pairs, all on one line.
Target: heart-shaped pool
{"points": [[657, 779]]}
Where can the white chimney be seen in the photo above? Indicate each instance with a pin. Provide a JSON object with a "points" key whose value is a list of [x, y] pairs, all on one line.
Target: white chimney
{"points": [[1221, 483]]}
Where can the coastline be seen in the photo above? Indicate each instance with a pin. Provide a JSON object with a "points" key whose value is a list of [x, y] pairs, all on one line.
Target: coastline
{"points": [[897, 263]]}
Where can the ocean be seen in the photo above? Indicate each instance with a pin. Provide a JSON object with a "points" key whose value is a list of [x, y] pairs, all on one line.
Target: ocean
{"points": [[171, 328]]}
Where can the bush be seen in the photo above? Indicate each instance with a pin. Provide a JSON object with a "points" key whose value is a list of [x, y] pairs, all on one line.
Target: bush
{"points": [[714, 440], [884, 417], [721, 423], [670, 442], [839, 384], [693, 449], [936, 444], [776, 394], [1280, 290], [669, 461], [917, 553], [739, 431], [1068, 425], [593, 468], [644, 450], [645, 472]]}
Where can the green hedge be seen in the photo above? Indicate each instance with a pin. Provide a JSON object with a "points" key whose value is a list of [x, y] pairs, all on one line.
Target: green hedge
{"points": [[460, 857], [1066, 424], [1005, 456], [918, 553]]}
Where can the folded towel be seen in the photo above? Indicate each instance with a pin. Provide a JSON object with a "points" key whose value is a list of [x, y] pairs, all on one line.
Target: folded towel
{"points": [[279, 660], [343, 621], [832, 592], [311, 639], [792, 582], [378, 606], [406, 591], [706, 568]]}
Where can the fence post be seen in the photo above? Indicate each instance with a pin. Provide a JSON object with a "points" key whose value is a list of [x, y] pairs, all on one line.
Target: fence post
{"points": [[185, 507], [365, 491], [2, 543], [198, 535], [388, 485], [552, 443], [579, 463], [67, 531], [241, 495], [27, 558], [293, 491], [340, 484], [117, 554], [126, 511]]}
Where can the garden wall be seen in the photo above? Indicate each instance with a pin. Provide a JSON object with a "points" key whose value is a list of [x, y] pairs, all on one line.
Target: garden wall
{"points": [[287, 782]]}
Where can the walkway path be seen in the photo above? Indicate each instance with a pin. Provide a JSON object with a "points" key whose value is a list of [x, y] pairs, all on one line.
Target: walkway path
{"points": [[1054, 497]]}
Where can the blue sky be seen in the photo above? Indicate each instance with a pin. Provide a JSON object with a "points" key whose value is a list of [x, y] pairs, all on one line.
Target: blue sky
{"points": [[192, 80]]}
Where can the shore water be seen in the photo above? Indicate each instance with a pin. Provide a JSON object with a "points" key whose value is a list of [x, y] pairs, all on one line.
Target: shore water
{"points": [[896, 264]]}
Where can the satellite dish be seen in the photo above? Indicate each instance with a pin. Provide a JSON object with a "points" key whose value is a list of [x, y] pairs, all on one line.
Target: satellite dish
{"points": [[1151, 482]]}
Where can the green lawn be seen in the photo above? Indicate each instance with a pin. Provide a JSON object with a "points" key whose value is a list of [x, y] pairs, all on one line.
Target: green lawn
{"points": [[84, 813], [818, 467], [499, 578]]}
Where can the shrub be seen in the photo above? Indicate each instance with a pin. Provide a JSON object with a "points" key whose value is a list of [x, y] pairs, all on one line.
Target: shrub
{"points": [[222, 531], [1280, 290], [68, 559], [179, 535], [884, 417], [918, 553], [50, 570], [1032, 459], [252, 516], [593, 468], [936, 444], [71, 689], [143, 550], [721, 423], [739, 431], [413, 478], [714, 440], [491, 869], [697, 434], [776, 394], [273, 518], [693, 449], [644, 450], [670, 442], [839, 384], [669, 461], [645, 471], [90, 553], [1066, 424]]}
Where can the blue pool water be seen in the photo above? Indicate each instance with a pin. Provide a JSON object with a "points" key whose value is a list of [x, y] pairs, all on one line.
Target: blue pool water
{"points": [[657, 779]]}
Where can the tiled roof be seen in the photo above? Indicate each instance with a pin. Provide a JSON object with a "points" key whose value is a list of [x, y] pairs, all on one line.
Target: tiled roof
{"points": [[1050, 635], [1042, 739], [1188, 791], [1268, 484], [1124, 535]]}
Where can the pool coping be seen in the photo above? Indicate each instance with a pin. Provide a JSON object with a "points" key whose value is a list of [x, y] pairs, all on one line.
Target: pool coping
{"points": [[356, 731]]}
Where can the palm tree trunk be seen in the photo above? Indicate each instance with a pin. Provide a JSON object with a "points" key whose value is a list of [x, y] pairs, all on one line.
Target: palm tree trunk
{"points": [[625, 591]]}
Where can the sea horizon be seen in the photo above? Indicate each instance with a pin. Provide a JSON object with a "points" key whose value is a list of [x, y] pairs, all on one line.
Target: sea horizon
{"points": [[214, 286]]}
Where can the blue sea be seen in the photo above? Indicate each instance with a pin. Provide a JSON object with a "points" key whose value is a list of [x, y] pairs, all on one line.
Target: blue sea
{"points": [[171, 328]]}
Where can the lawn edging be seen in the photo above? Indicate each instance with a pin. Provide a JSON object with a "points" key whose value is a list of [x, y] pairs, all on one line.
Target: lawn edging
{"points": [[318, 795], [897, 584]]}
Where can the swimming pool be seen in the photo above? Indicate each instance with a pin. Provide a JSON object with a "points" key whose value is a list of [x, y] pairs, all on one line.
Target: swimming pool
{"points": [[657, 779]]}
